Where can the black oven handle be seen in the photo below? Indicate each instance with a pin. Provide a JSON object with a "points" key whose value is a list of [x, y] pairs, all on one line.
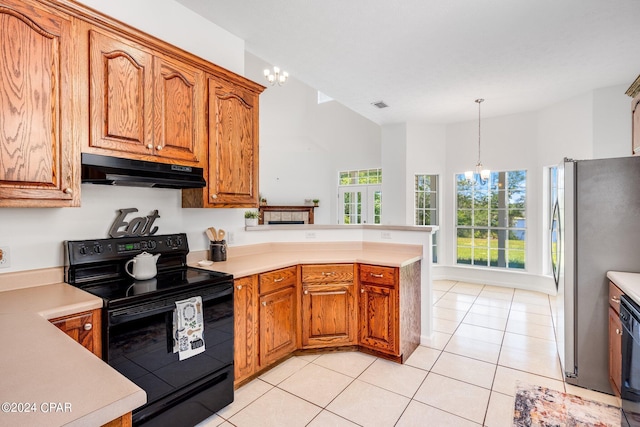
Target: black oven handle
{"points": [[139, 311]]}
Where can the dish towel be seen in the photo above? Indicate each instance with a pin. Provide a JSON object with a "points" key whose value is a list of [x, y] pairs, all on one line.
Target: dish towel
{"points": [[188, 328]]}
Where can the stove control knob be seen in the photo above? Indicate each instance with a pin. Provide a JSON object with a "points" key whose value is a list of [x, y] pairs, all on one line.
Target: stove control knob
{"points": [[83, 250], [169, 241], [97, 248], [179, 241], [151, 244]]}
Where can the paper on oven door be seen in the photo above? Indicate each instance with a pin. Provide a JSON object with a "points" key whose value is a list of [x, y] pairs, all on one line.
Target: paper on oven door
{"points": [[188, 328]]}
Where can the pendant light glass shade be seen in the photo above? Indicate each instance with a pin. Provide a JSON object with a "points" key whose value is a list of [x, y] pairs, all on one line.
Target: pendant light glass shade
{"points": [[484, 174]]}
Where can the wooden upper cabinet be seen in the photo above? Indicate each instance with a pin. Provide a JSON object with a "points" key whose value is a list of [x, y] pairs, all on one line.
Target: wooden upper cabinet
{"points": [[121, 103], [233, 146], [179, 111], [38, 149], [144, 104]]}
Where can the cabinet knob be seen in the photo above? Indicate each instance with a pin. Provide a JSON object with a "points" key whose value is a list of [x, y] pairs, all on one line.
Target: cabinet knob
{"points": [[87, 326], [618, 331], [379, 276], [264, 303], [239, 287], [306, 292], [150, 146], [616, 300], [214, 196], [67, 191], [362, 290], [159, 147]]}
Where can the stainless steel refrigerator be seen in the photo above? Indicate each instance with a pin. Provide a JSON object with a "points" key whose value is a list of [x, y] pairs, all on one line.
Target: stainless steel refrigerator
{"points": [[596, 227]]}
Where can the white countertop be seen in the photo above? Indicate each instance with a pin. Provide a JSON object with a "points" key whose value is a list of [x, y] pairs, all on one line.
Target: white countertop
{"points": [[41, 365], [253, 259], [629, 283]]}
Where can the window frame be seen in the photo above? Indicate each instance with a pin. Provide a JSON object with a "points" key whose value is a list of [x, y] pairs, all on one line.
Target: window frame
{"points": [[494, 220], [435, 196]]}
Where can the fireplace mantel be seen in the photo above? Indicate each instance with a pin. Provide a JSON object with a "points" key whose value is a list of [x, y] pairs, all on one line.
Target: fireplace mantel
{"points": [[286, 214]]}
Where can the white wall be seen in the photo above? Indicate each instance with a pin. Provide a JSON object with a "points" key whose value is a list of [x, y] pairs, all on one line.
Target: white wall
{"points": [[303, 144], [394, 173]]}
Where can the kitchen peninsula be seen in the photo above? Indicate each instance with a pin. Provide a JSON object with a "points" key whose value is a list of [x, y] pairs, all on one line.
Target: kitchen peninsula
{"points": [[348, 289]]}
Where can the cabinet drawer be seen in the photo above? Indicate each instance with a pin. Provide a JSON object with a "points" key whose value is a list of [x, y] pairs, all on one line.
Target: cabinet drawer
{"points": [[614, 297], [327, 273], [277, 279], [377, 274]]}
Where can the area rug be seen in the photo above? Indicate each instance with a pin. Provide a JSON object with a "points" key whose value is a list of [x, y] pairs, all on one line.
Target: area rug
{"points": [[537, 406]]}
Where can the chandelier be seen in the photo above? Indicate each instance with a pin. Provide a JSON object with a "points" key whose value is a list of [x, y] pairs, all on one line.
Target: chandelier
{"points": [[484, 174], [276, 76]]}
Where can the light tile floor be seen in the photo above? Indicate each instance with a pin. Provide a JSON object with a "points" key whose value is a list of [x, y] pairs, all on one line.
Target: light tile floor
{"points": [[486, 338]]}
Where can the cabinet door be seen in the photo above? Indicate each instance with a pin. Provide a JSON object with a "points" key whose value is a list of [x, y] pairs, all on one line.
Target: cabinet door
{"points": [[245, 302], [38, 150], [84, 328], [329, 315], [233, 146], [121, 102], [179, 112], [277, 325], [378, 318], [615, 350]]}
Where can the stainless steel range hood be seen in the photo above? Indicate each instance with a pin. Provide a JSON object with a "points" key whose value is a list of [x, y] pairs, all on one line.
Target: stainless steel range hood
{"points": [[106, 170]]}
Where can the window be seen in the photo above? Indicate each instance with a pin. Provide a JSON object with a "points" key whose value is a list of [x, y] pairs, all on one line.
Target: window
{"points": [[491, 220], [360, 196], [426, 206]]}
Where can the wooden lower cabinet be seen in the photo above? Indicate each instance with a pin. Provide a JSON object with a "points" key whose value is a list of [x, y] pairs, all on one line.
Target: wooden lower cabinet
{"points": [[278, 312], [390, 309], [329, 312], [615, 338], [245, 303], [378, 318], [83, 327]]}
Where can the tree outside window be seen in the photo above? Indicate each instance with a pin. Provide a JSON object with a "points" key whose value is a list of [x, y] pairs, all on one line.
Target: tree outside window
{"points": [[491, 220]]}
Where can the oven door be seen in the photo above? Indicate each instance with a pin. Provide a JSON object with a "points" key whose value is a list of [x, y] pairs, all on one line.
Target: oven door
{"points": [[630, 384], [139, 344]]}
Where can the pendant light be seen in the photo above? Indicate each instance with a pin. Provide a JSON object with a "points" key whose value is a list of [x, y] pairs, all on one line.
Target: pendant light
{"points": [[483, 174]]}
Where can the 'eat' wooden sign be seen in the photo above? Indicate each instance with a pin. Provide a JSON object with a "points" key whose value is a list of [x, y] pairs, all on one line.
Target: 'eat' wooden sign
{"points": [[139, 226]]}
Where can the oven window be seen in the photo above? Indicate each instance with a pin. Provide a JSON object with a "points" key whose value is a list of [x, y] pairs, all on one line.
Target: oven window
{"points": [[142, 349]]}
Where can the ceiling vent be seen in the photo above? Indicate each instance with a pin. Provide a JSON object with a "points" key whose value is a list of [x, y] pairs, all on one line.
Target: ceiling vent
{"points": [[379, 104]]}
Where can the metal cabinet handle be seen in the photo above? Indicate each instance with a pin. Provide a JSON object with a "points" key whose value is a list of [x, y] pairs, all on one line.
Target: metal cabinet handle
{"points": [[264, 303], [149, 146], [67, 191], [329, 273], [379, 276], [616, 300], [618, 331], [239, 287], [159, 147], [87, 326], [279, 279]]}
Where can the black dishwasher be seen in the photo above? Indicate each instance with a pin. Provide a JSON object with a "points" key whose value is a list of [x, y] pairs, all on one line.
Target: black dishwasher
{"points": [[630, 384]]}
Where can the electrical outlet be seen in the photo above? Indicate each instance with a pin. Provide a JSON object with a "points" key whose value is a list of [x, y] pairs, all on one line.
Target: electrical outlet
{"points": [[231, 238], [310, 235], [5, 261], [386, 235]]}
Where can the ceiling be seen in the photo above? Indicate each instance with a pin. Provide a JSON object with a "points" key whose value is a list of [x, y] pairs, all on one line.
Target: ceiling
{"points": [[430, 59]]}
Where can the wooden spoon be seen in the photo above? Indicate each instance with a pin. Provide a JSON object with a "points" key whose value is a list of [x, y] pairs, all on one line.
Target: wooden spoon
{"points": [[221, 234], [211, 234]]}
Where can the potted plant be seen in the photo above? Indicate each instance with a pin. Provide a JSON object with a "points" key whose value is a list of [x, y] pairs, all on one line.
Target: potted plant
{"points": [[263, 200], [315, 202], [251, 218]]}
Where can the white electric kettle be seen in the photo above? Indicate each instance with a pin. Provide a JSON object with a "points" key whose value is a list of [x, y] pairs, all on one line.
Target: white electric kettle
{"points": [[144, 266]]}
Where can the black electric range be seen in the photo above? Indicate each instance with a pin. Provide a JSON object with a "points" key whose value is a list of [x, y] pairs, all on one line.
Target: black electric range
{"points": [[139, 324]]}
